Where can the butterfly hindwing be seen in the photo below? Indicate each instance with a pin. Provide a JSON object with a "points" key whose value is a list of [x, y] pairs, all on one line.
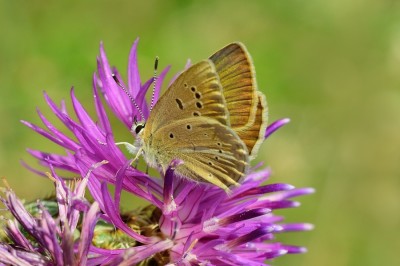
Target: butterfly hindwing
{"points": [[210, 151], [253, 134]]}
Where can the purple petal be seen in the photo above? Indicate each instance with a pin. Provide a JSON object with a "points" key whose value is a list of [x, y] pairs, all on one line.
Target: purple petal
{"points": [[17, 236], [247, 238], [33, 170], [275, 126], [265, 189], [137, 255], [66, 142], [116, 98], [115, 217], [290, 194], [168, 182], [239, 217], [119, 182], [67, 246], [101, 113], [58, 161], [296, 227], [60, 113], [89, 222], [281, 204], [7, 256], [85, 119], [295, 249], [47, 227], [44, 133], [133, 71]]}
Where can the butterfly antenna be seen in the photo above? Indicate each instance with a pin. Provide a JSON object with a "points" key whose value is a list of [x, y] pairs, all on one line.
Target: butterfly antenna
{"points": [[154, 83], [129, 95]]}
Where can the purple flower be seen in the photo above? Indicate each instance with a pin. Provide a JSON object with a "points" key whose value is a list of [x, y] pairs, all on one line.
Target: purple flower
{"points": [[36, 237], [185, 223]]}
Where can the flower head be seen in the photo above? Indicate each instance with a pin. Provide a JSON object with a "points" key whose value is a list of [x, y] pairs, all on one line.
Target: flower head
{"points": [[185, 223], [44, 232]]}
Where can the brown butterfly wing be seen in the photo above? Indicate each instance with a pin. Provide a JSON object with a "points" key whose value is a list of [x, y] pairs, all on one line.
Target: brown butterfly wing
{"points": [[253, 134], [211, 152], [196, 92], [237, 75]]}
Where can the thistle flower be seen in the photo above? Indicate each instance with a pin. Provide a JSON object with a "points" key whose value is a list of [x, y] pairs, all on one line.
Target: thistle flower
{"points": [[36, 237], [185, 223]]}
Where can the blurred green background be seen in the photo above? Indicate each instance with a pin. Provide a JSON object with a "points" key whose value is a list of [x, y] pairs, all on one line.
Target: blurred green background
{"points": [[332, 66]]}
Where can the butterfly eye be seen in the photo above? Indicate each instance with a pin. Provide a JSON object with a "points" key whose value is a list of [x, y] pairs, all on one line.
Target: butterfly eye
{"points": [[139, 128]]}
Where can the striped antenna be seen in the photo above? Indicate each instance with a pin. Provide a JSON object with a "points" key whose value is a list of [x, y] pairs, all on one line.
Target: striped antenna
{"points": [[129, 95], [154, 83]]}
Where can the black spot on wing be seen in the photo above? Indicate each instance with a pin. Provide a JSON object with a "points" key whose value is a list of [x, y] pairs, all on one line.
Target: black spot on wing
{"points": [[179, 102]]}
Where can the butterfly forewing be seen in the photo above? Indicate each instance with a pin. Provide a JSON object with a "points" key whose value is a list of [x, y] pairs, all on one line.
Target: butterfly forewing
{"points": [[237, 75], [196, 92], [210, 151]]}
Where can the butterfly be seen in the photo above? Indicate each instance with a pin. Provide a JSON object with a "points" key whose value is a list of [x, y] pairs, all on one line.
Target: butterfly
{"points": [[212, 118]]}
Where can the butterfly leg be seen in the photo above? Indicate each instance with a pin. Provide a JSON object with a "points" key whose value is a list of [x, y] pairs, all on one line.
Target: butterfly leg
{"points": [[137, 155], [132, 149], [129, 146]]}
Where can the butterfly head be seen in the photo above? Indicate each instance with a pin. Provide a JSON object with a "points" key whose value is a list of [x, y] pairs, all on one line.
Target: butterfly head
{"points": [[138, 126]]}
